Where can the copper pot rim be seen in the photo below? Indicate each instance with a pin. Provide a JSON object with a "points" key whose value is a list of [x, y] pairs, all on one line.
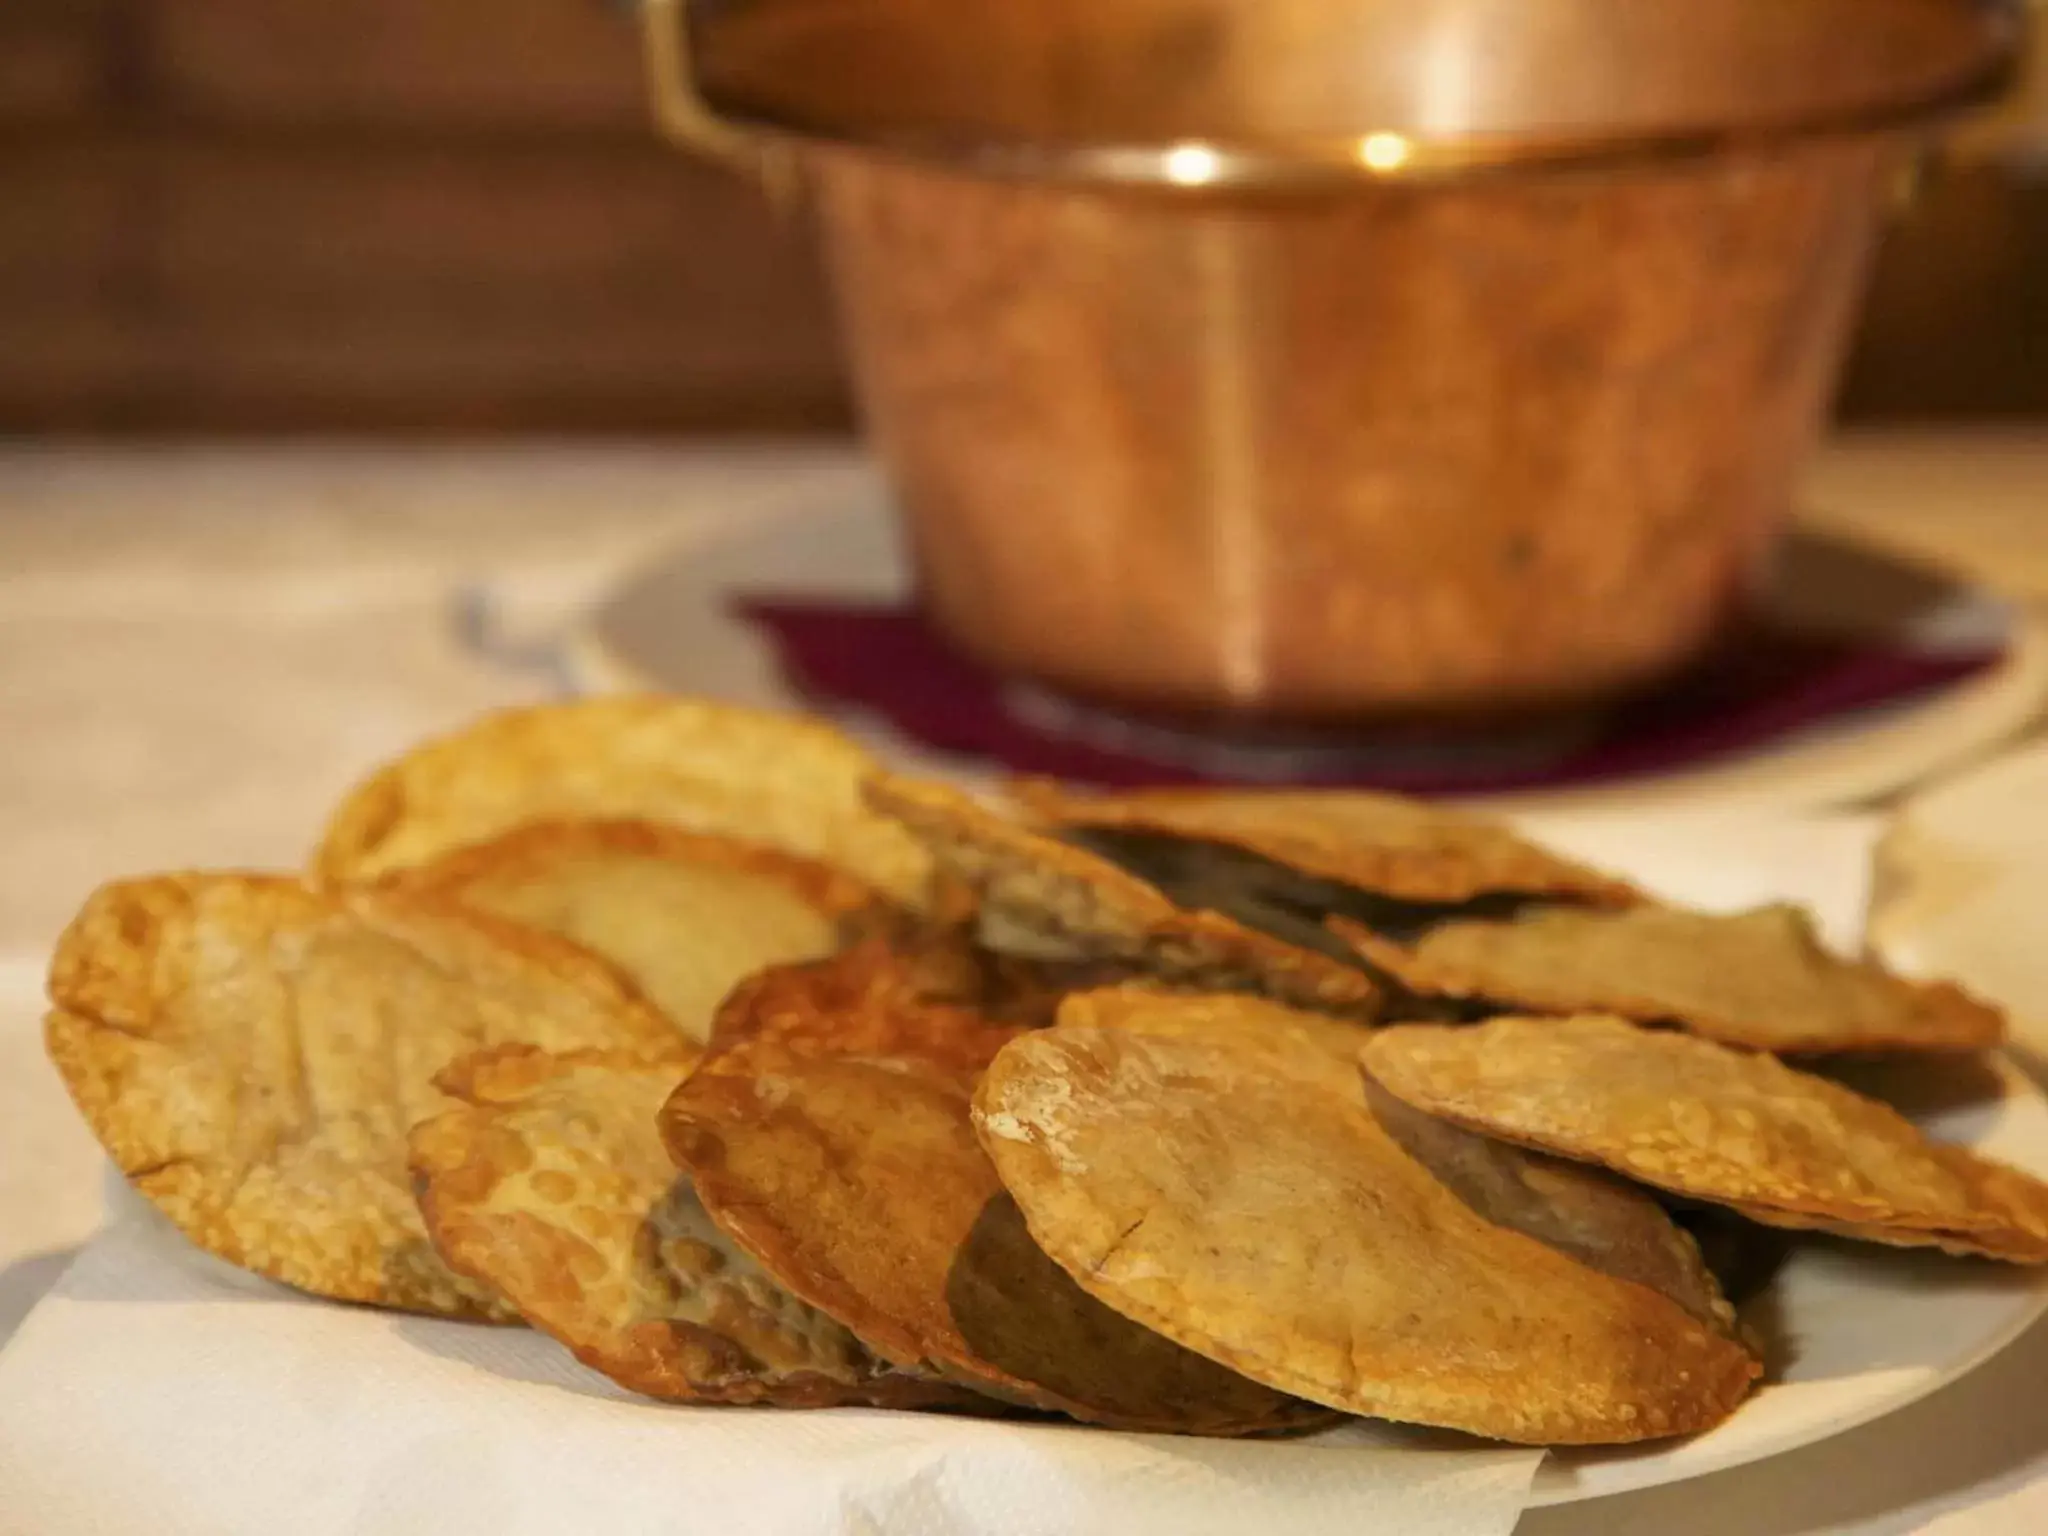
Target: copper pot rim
{"points": [[1390, 157]]}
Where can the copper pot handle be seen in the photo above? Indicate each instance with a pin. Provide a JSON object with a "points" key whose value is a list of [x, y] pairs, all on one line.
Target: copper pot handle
{"points": [[683, 116]]}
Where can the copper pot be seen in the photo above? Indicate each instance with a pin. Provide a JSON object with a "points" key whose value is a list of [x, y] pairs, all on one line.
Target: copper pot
{"points": [[1323, 358]]}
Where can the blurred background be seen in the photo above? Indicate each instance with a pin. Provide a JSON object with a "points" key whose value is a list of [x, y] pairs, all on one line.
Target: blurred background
{"points": [[382, 216]]}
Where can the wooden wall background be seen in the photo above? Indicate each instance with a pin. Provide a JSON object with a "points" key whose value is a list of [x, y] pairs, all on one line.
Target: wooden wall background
{"points": [[435, 215]]}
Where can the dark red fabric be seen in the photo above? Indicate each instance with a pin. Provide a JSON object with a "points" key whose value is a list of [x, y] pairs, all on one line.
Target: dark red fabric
{"points": [[887, 661]]}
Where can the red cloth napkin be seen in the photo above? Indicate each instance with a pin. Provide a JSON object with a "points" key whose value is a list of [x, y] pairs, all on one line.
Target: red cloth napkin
{"points": [[887, 660]]}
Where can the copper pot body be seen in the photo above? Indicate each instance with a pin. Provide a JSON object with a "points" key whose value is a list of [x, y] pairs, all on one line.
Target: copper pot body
{"points": [[1308, 418], [1407, 449]]}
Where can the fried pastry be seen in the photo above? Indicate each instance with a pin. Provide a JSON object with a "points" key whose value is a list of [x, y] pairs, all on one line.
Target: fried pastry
{"points": [[1709, 1123], [828, 1132], [1604, 1222], [1760, 979], [782, 780], [1211, 1168], [1046, 896], [252, 1055], [1388, 844], [683, 915], [548, 1184]]}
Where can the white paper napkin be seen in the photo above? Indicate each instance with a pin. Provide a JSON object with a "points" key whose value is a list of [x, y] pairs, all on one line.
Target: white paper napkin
{"points": [[156, 1391]]}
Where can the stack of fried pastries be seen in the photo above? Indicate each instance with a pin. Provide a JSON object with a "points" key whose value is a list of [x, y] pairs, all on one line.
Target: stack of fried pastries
{"points": [[756, 1075]]}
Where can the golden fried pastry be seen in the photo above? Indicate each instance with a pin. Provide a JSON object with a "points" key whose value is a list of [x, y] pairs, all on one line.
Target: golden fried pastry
{"points": [[1710, 1123], [1040, 894], [782, 780], [252, 1054], [1385, 843], [1760, 979], [549, 1186], [828, 1132], [1211, 1168], [902, 968], [1604, 1222], [684, 915]]}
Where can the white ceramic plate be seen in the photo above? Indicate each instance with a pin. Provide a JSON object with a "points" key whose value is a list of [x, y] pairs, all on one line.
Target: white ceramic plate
{"points": [[666, 627], [1861, 1331]]}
